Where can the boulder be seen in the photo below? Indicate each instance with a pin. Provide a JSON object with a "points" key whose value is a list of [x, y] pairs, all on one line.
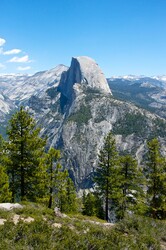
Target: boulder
{"points": [[59, 214], [10, 206]]}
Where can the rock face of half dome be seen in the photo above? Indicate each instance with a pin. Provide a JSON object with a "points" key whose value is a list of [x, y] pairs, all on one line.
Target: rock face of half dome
{"points": [[84, 71]]}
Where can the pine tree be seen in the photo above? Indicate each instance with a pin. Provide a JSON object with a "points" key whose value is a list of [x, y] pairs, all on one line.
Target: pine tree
{"points": [[107, 173], [65, 193], [132, 181], [52, 157], [58, 189], [156, 180], [5, 194], [71, 197], [92, 205], [25, 152], [89, 204], [61, 191]]}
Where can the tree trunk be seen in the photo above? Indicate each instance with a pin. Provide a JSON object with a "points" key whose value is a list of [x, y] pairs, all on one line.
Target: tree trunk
{"points": [[13, 186], [22, 168], [50, 199], [51, 183], [107, 203]]}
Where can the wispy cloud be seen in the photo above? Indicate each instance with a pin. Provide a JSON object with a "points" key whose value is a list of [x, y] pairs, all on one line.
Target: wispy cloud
{"points": [[2, 66], [22, 59], [14, 55], [23, 68], [11, 52], [2, 41]]}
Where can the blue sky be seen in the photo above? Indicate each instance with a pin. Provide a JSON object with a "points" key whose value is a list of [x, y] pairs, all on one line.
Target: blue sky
{"points": [[123, 36]]}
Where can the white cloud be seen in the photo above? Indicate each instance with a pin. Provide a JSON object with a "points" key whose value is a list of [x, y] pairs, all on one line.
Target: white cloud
{"points": [[23, 68], [20, 59], [11, 52], [2, 41], [2, 66]]}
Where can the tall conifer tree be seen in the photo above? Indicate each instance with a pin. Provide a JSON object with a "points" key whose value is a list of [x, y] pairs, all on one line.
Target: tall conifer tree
{"points": [[25, 151], [5, 194], [156, 180], [132, 181], [51, 158], [92, 205], [71, 197], [107, 173], [65, 193]]}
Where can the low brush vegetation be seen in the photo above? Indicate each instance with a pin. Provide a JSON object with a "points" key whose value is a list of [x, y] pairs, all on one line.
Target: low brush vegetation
{"points": [[77, 231], [132, 123]]}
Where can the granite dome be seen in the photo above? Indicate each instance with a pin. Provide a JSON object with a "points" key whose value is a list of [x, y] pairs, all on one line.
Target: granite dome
{"points": [[84, 71]]}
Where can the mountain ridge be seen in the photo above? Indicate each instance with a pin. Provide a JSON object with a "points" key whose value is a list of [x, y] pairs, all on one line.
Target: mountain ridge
{"points": [[77, 117]]}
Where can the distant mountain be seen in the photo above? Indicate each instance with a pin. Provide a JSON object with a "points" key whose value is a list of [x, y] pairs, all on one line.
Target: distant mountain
{"points": [[145, 92], [76, 108], [22, 87], [15, 90], [159, 81]]}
